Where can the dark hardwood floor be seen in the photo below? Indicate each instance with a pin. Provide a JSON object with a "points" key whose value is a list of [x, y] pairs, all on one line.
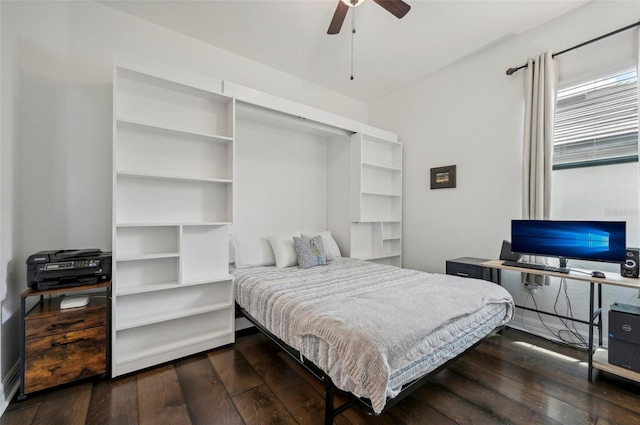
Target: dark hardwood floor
{"points": [[512, 378]]}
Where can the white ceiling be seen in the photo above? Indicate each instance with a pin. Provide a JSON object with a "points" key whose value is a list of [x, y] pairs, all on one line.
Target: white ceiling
{"points": [[388, 53]]}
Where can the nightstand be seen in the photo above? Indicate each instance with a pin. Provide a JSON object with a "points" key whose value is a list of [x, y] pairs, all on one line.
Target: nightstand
{"points": [[472, 267], [59, 346]]}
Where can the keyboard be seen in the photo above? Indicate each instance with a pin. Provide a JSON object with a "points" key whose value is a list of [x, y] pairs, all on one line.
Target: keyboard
{"points": [[535, 266]]}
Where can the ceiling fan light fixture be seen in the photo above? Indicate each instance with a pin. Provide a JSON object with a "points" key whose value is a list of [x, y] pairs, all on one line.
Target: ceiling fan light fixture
{"points": [[352, 3], [397, 8]]}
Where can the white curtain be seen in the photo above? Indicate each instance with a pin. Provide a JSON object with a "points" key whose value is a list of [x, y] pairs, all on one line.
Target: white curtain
{"points": [[540, 102]]}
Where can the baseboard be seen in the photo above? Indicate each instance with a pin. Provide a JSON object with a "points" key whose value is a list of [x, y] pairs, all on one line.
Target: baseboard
{"points": [[535, 327], [10, 385]]}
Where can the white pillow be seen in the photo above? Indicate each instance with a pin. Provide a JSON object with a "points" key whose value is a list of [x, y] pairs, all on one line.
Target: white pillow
{"points": [[232, 250], [252, 251], [284, 249], [330, 245]]}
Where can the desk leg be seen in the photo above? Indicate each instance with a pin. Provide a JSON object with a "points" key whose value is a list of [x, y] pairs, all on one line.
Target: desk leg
{"points": [[591, 319], [599, 315]]}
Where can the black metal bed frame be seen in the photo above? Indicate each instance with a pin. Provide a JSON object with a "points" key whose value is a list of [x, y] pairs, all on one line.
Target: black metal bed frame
{"points": [[330, 412]]}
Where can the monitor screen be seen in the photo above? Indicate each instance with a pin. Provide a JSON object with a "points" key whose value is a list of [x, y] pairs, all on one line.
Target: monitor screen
{"points": [[583, 240]]}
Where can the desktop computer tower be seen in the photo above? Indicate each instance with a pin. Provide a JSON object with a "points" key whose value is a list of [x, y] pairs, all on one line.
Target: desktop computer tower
{"points": [[624, 336]]}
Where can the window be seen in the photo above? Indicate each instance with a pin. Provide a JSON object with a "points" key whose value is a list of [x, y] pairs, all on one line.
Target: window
{"points": [[597, 122]]}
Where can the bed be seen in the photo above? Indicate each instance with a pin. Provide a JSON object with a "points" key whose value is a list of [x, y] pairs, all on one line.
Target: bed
{"points": [[371, 330]]}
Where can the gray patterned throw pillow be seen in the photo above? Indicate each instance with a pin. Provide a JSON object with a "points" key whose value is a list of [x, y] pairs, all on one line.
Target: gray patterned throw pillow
{"points": [[310, 251]]}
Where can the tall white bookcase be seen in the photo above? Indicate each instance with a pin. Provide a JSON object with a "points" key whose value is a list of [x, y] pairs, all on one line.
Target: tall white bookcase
{"points": [[173, 156], [376, 199]]}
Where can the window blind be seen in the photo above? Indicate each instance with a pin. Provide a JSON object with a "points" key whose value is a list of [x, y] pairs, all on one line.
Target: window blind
{"points": [[597, 121]]}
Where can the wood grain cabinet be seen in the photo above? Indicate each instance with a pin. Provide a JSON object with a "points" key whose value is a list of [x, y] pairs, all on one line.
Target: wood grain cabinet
{"points": [[62, 346]]}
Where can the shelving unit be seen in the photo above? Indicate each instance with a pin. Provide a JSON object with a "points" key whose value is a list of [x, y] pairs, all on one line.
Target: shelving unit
{"points": [[172, 207], [376, 199], [601, 361]]}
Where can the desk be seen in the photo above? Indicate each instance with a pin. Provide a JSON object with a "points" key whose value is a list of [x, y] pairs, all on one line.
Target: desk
{"points": [[598, 358]]}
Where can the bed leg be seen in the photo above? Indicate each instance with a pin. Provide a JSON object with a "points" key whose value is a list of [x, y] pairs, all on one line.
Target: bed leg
{"points": [[328, 400]]}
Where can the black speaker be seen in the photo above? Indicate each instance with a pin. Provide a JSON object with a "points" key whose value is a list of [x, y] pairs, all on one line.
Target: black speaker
{"points": [[631, 267], [507, 254]]}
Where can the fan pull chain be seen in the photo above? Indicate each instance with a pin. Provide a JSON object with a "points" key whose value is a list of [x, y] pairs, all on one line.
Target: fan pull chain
{"points": [[353, 31]]}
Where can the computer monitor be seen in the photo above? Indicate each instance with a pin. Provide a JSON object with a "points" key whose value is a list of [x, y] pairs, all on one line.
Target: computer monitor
{"points": [[582, 240]]}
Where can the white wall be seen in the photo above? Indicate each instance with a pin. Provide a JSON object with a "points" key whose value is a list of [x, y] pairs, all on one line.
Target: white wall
{"points": [[280, 182], [55, 178], [471, 115]]}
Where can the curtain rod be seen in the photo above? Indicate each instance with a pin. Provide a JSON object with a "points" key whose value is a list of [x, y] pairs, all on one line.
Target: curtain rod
{"points": [[512, 70]]}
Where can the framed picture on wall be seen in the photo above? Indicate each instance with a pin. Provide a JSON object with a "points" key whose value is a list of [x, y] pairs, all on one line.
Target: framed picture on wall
{"points": [[443, 177]]}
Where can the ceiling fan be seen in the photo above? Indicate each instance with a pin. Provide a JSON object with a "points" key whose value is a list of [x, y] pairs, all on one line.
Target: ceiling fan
{"points": [[397, 8]]}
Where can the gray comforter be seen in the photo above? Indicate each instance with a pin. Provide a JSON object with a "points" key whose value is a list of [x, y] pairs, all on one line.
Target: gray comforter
{"points": [[372, 328]]}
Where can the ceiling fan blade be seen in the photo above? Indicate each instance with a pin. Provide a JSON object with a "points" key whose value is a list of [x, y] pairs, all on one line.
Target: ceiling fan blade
{"points": [[398, 8], [338, 18]]}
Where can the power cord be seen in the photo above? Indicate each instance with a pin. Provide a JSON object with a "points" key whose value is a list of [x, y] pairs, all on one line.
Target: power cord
{"points": [[569, 313], [568, 329]]}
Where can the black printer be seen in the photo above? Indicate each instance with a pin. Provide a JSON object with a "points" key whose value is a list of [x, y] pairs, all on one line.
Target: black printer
{"points": [[67, 268]]}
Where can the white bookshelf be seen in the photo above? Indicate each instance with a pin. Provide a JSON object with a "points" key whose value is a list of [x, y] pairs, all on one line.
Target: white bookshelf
{"points": [[376, 199], [172, 206]]}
